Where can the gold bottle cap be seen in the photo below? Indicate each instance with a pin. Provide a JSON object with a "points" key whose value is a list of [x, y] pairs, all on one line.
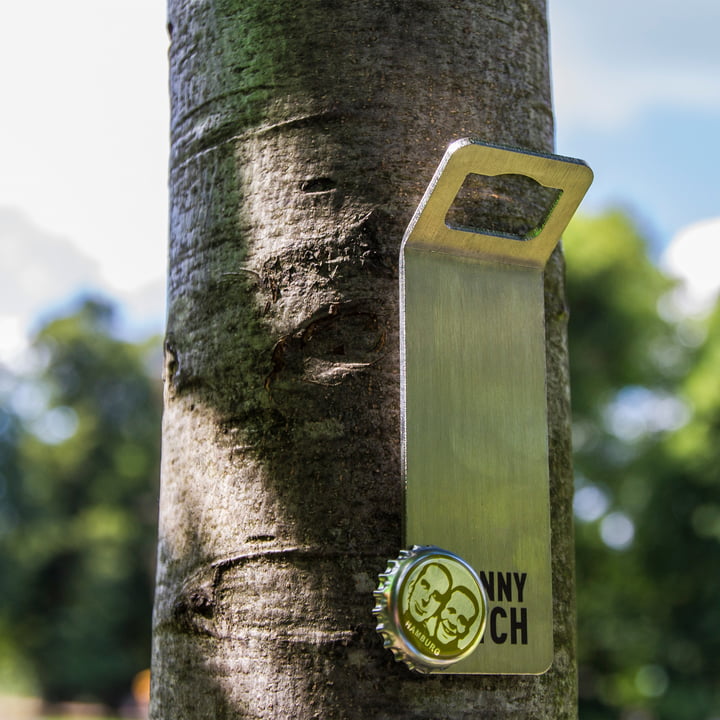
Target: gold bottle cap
{"points": [[431, 608]]}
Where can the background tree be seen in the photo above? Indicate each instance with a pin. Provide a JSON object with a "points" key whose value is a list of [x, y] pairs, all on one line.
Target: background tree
{"points": [[303, 136], [79, 466], [645, 409]]}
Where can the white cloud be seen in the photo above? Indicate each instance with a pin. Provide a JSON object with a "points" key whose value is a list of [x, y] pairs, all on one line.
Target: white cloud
{"points": [[614, 60], [144, 309], [13, 338], [692, 258], [40, 270], [37, 266], [83, 159], [84, 144]]}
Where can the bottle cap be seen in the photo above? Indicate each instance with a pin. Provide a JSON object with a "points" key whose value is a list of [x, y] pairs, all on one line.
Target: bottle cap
{"points": [[431, 608]]}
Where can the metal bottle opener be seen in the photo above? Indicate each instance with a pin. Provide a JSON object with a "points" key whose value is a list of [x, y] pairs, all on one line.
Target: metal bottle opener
{"points": [[475, 448]]}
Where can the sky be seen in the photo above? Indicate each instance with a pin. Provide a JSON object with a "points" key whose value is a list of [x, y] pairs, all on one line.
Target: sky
{"points": [[83, 144], [83, 160]]}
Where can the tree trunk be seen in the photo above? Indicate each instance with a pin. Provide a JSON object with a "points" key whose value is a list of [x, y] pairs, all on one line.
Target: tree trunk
{"points": [[304, 133]]}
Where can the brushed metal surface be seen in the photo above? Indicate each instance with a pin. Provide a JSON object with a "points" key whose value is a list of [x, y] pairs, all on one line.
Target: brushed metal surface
{"points": [[475, 452], [476, 439]]}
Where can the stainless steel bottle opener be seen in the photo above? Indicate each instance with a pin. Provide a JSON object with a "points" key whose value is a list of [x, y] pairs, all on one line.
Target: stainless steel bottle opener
{"points": [[474, 411]]}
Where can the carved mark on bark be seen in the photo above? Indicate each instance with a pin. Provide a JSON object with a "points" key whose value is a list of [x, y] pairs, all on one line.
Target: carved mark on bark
{"points": [[318, 185], [170, 365], [335, 340], [260, 538], [265, 283], [194, 609], [176, 377], [197, 610]]}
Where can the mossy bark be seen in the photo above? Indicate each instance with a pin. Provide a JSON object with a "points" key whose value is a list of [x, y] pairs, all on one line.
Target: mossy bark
{"points": [[303, 135]]}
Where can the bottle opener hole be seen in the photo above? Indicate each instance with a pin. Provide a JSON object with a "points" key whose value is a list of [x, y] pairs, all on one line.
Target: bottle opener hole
{"points": [[510, 205]]}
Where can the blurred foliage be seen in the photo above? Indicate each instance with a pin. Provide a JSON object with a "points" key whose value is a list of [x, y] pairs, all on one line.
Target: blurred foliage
{"points": [[79, 449], [646, 426]]}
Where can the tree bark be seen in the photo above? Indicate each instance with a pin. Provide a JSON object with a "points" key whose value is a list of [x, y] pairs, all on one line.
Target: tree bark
{"points": [[304, 133]]}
